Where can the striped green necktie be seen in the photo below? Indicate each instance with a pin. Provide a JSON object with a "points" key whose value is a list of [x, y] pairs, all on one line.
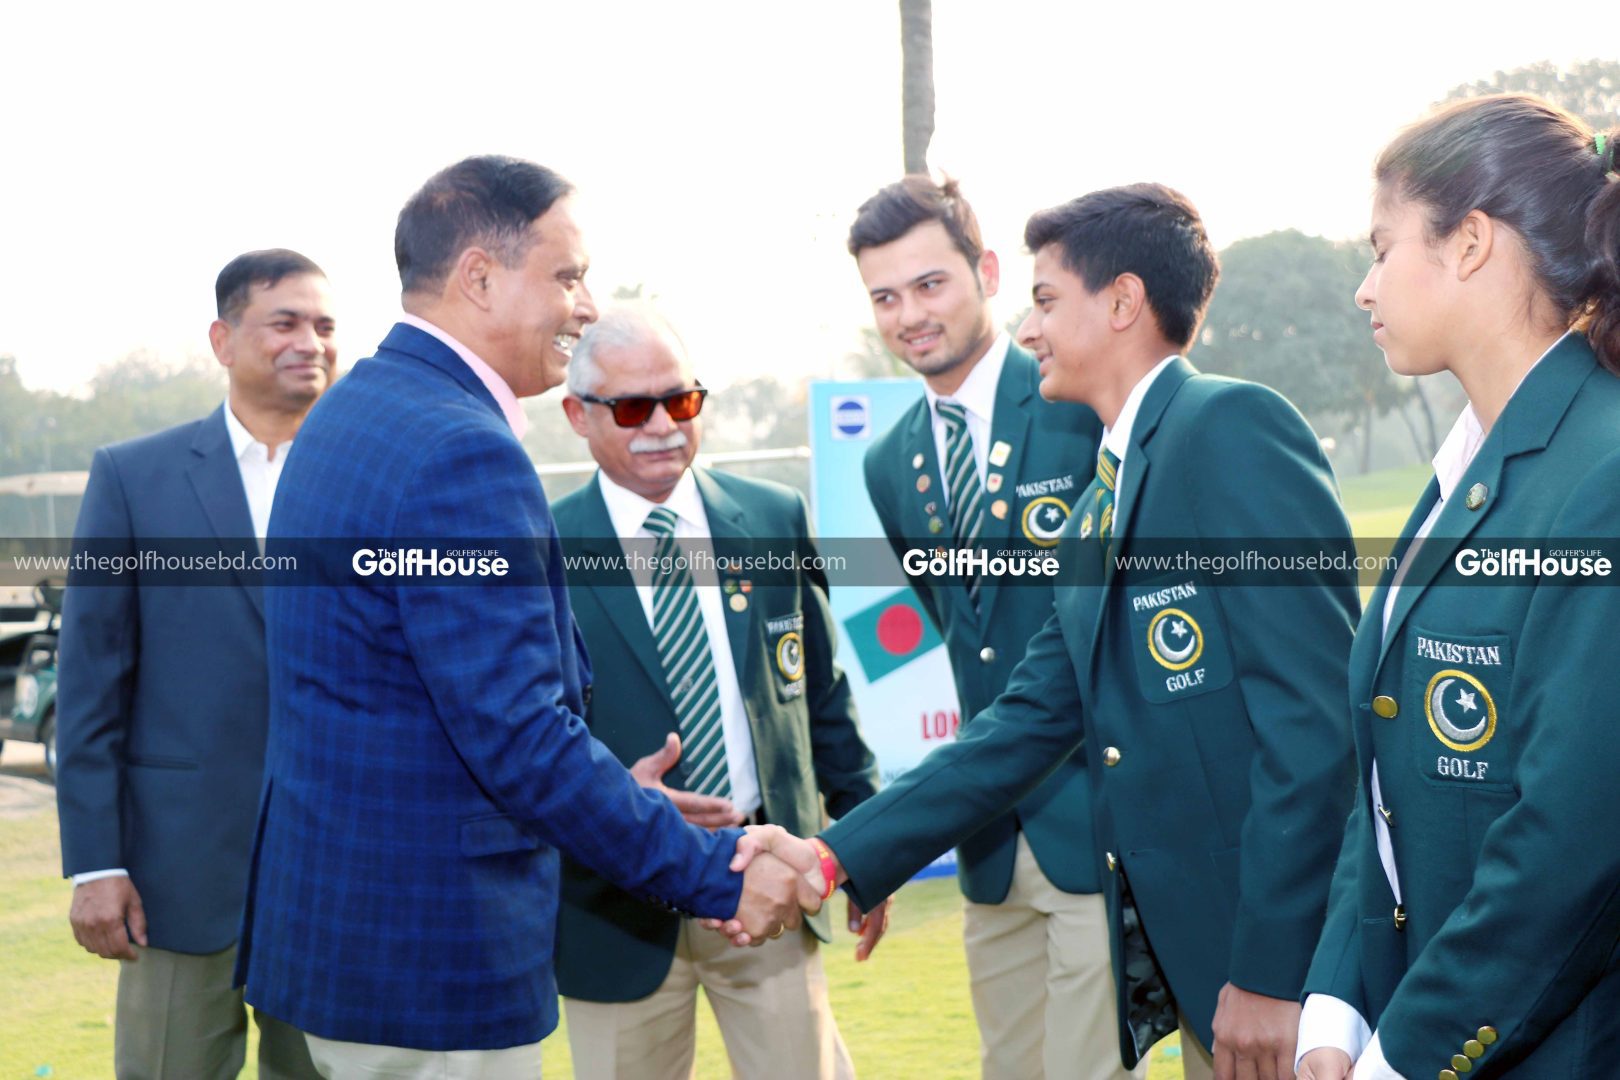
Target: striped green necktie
{"points": [[962, 484], [1107, 477], [683, 649]]}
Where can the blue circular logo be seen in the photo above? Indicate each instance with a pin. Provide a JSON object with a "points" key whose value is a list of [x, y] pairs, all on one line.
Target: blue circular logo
{"points": [[850, 418]]}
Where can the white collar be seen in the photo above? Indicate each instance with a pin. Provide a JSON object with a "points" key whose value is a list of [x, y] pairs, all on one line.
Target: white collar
{"points": [[1118, 438], [242, 439], [1467, 435], [977, 394], [628, 511]]}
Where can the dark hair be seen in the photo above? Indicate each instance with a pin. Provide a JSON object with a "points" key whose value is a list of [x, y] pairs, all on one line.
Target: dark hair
{"points": [[489, 201], [909, 202], [1538, 170], [1144, 229], [262, 268]]}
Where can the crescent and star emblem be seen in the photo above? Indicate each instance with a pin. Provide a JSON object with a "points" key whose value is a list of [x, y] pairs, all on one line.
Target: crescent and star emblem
{"points": [[1463, 717], [1175, 639]]}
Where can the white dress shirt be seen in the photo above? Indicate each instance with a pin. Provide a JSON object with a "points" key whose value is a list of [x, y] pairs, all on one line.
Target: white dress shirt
{"points": [[260, 468], [1326, 1020], [628, 512], [1118, 437], [977, 396]]}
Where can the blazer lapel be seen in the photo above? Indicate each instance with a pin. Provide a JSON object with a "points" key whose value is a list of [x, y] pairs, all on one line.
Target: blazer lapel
{"points": [[217, 479], [1137, 464], [618, 597], [729, 531], [1009, 427], [1525, 426]]}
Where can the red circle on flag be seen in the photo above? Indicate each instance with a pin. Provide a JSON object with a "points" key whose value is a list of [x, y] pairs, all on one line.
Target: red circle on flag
{"points": [[899, 629]]}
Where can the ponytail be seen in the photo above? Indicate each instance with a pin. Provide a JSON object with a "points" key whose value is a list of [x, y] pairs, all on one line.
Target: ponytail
{"points": [[1603, 251]]}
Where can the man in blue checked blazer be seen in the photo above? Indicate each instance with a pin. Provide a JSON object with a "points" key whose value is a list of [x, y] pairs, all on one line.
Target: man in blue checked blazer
{"points": [[427, 761]]}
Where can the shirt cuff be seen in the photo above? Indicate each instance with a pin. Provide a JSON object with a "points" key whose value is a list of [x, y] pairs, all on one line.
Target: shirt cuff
{"points": [[1372, 1066], [97, 875], [1327, 1021]]}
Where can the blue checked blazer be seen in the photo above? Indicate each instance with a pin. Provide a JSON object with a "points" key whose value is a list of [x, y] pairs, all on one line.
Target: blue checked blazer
{"points": [[426, 758]]}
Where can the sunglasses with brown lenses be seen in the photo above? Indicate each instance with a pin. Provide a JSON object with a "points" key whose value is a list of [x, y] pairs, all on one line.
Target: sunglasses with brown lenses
{"points": [[633, 410]]}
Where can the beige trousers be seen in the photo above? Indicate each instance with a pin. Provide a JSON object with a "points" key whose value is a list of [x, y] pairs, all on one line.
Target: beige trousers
{"points": [[368, 1061], [178, 1016], [1196, 1062], [1043, 983], [771, 1004]]}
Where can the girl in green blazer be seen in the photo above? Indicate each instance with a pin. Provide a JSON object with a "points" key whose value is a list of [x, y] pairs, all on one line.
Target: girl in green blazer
{"points": [[1474, 927]]}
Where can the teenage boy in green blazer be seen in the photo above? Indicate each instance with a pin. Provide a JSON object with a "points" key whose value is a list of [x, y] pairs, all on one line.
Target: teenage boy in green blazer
{"points": [[1034, 923], [1212, 714]]}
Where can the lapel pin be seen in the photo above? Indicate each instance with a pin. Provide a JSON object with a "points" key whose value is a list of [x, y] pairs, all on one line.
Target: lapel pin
{"points": [[746, 585], [992, 482], [729, 588], [1476, 496], [999, 453], [917, 460], [929, 508], [935, 525], [923, 483], [998, 509], [739, 602]]}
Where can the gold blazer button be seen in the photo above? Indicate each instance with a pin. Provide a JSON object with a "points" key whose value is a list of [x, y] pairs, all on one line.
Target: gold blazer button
{"points": [[1111, 756], [1385, 706]]}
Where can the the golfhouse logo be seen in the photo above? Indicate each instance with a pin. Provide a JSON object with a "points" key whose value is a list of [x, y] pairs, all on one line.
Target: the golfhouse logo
{"points": [[429, 562], [1531, 562], [961, 562]]}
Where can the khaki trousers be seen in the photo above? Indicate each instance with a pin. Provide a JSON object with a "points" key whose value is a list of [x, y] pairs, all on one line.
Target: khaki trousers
{"points": [[339, 1060], [1043, 983], [179, 1017], [770, 1002], [1196, 1062]]}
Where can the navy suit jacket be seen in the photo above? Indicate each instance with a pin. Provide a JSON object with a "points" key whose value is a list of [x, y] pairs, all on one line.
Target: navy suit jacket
{"points": [[427, 759], [162, 702]]}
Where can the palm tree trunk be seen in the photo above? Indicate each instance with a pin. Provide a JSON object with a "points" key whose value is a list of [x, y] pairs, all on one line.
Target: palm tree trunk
{"points": [[916, 81]]}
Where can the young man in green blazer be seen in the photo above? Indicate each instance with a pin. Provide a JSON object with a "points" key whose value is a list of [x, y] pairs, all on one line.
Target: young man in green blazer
{"points": [[1212, 713], [1034, 924], [720, 686]]}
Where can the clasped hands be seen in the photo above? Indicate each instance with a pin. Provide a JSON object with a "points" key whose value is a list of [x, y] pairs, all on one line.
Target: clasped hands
{"points": [[782, 875], [783, 880]]}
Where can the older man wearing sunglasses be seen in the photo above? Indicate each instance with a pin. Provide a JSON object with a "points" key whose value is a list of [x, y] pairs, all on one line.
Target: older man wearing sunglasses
{"points": [[717, 681]]}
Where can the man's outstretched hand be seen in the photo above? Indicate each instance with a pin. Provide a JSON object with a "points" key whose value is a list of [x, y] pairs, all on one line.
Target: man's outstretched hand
{"points": [[706, 811], [777, 892]]}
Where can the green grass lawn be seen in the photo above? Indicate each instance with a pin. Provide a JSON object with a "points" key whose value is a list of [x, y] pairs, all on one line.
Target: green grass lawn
{"points": [[905, 1013], [1379, 502]]}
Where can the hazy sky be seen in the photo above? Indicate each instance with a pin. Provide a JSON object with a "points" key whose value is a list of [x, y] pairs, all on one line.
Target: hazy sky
{"points": [[720, 148]]}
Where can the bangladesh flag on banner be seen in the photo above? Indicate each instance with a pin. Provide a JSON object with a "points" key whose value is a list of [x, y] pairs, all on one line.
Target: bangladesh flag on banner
{"points": [[890, 634]]}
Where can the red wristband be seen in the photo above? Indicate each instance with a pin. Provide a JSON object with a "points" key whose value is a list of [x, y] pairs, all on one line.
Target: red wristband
{"points": [[829, 865]]}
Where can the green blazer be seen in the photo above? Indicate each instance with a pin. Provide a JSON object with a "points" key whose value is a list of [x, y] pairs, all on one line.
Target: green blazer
{"points": [[1486, 707], [807, 740], [1220, 783], [1051, 458]]}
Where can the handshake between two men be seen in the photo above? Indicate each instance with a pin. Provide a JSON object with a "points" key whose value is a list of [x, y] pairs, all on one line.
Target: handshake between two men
{"points": [[784, 877]]}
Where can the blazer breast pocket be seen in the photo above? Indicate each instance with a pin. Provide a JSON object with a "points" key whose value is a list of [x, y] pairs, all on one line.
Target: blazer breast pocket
{"points": [[1178, 640], [1461, 682], [784, 644]]}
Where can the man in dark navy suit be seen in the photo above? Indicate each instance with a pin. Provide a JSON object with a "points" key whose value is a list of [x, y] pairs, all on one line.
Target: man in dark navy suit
{"points": [[164, 699], [427, 761]]}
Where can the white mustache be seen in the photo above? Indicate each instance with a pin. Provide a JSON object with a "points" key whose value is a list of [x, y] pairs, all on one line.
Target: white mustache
{"points": [[654, 444]]}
